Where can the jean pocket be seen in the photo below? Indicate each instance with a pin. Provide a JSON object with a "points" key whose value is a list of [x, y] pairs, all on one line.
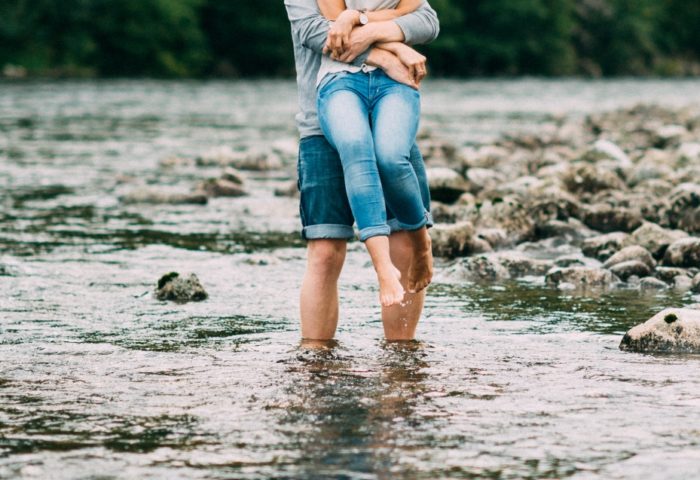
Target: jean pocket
{"points": [[325, 81]]}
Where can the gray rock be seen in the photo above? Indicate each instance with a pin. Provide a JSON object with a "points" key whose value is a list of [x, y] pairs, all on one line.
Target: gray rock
{"points": [[632, 253], [682, 283], [581, 277], [496, 237], [689, 152], [446, 185], [607, 150], [508, 214], [655, 238], [630, 268], [456, 240], [591, 179], [651, 283], [603, 246], [157, 196], [572, 229], [695, 286], [570, 261], [674, 330], [607, 218], [290, 190], [249, 160], [519, 265], [669, 135], [220, 187], [484, 179], [480, 268], [683, 253], [684, 209], [175, 288], [667, 274]]}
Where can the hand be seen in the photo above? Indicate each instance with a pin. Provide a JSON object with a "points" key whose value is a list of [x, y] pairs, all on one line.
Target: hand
{"points": [[361, 39], [414, 61], [392, 66], [339, 33]]}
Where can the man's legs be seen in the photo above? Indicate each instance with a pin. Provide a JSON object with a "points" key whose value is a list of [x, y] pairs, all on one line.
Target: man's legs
{"points": [[400, 321], [319, 289]]}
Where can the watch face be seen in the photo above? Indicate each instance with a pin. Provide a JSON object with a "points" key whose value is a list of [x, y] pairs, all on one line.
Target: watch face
{"points": [[363, 19]]}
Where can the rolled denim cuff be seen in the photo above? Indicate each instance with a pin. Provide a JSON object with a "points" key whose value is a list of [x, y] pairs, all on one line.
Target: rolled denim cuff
{"points": [[327, 231], [396, 226], [369, 232]]}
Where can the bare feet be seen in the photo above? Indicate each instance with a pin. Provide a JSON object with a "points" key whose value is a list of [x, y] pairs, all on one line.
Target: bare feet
{"points": [[390, 290], [420, 272]]}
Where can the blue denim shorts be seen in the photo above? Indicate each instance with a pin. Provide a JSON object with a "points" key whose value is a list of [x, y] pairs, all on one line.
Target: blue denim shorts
{"points": [[324, 208]]}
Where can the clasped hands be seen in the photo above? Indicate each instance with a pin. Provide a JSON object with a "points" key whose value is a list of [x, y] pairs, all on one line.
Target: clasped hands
{"points": [[347, 40]]}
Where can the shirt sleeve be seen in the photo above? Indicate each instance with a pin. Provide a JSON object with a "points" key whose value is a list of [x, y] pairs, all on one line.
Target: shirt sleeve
{"points": [[311, 27], [421, 26]]}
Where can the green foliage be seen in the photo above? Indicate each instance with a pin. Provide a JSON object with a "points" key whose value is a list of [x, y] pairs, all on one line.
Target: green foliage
{"points": [[184, 38]]}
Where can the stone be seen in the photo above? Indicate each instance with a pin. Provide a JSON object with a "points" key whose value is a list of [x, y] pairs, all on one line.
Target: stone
{"points": [[483, 179], [569, 261], [667, 274], [519, 265], [581, 277], [455, 240], [173, 287], [571, 229], [655, 238], [249, 160], [673, 330], [607, 150], [591, 179], [689, 152], [220, 187], [508, 214], [630, 268], [682, 283], [496, 237], [157, 196], [651, 283], [446, 185], [480, 268], [669, 135], [695, 286], [607, 218], [683, 253], [684, 209], [631, 253], [600, 246], [290, 190]]}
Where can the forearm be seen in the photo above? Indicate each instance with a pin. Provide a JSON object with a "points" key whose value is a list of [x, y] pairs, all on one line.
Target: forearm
{"points": [[419, 27]]}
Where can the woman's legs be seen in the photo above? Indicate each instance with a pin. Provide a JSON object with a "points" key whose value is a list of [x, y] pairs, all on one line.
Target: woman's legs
{"points": [[344, 117], [395, 119]]}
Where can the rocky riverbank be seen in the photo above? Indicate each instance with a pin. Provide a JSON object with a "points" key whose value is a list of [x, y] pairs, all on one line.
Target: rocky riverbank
{"points": [[608, 200]]}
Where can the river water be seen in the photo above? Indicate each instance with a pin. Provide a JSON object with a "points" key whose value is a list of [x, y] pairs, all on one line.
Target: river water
{"points": [[99, 380]]}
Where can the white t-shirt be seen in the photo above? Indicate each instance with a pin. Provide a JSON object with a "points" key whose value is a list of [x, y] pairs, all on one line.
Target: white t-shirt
{"points": [[328, 65]]}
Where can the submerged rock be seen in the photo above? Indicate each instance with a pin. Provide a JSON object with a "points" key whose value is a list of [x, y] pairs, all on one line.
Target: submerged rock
{"points": [[156, 196], [674, 330], [480, 268], [651, 283], [173, 287], [581, 277]]}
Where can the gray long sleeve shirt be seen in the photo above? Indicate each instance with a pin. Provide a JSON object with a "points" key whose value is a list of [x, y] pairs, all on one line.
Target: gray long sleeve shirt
{"points": [[309, 34]]}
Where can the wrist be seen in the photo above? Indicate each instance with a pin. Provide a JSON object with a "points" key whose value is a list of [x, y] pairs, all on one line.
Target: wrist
{"points": [[351, 17], [379, 58]]}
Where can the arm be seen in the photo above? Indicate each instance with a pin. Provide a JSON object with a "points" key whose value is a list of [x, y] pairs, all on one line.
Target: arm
{"points": [[419, 27], [311, 28], [411, 59], [337, 9]]}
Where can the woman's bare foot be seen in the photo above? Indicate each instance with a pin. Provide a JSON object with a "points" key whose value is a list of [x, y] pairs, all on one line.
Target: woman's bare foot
{"points": [[391, 291], [420, 273]]}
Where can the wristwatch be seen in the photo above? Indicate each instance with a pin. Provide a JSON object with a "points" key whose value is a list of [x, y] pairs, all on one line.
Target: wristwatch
{"points": [[364, 20]]}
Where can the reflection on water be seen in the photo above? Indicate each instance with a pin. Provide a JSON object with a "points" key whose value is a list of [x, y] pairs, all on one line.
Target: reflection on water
{"points": [[100, 380]]}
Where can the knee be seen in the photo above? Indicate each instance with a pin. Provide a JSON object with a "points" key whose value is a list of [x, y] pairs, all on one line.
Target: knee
{"points": [[393, 163], [326, 257]]}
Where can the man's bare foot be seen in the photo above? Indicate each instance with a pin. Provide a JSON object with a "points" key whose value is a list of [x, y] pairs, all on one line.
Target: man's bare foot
{"points": [[420, 273], [390, 290]]}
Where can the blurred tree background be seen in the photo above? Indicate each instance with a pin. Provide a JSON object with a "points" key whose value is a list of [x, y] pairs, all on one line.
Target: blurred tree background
{"points": [[201, 38]]}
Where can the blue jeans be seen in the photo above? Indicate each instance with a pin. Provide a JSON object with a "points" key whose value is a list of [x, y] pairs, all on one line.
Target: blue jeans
{"points": [[323, 205], [372, 121]]}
